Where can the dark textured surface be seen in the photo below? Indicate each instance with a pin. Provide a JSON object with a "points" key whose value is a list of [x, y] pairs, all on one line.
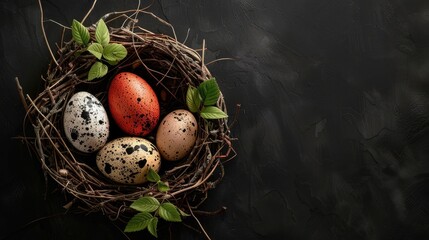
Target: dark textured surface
{"points": [[333, 129]]}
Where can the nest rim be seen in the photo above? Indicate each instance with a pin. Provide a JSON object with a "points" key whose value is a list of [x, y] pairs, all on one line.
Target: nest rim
{"points": [[189, 182]]}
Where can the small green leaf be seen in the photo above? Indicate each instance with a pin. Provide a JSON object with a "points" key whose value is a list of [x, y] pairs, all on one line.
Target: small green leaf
{"points": [[209, 91], [163, 186], [193, 99], [96, 49], [212, 112], [97, 70], [145, 204], [152, 226], [114, 52], [169, 212], [80, 33], [182, 213], [102, 33], [138, 222], [112, 63], [152, 176]]}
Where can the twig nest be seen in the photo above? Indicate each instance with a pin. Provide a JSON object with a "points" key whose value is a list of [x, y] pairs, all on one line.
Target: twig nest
{"points": [[109, 180]]}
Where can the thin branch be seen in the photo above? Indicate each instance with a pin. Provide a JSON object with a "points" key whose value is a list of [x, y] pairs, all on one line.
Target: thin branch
{"points": [[219, 59], [164, 60], [203, 54], [89, 11], [44, 33], [21, 94], [57, 23], [198, 222]]}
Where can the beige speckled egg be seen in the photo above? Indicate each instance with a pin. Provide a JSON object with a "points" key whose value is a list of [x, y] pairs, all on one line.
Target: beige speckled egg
{"points": [[85, 121], [127, 160], [176, 135]]}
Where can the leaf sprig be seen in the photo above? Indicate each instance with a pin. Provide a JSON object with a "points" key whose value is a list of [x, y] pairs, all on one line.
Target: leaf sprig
{"points": [[153, 176], [150, 209], [202, 99], [102, 49]]}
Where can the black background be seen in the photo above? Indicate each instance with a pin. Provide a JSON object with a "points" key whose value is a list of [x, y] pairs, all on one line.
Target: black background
{"points": [[333, 131]]}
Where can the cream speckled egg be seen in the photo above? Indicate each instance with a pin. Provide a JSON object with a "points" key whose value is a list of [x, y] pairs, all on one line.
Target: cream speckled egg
{"points": [[128, 159], [176, 135], [85, 121]]}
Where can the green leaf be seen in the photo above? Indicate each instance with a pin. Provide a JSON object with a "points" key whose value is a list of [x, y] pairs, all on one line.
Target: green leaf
{"points": [[97, 70], [114, 52], [163, 186], [193, 99], [145, 204], [212, 112], [80, 33], [152, 176], [209, 91], [96, 49], [138, 222], [112, 63], [102, 33], [152, 226], [182, 213], [169, 212]]}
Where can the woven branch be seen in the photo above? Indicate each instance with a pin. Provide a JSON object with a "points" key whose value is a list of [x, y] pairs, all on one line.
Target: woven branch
{"points": [[171, 67]]}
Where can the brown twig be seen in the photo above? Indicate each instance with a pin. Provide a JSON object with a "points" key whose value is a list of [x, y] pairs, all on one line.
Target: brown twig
{"points": [[198, 222], [21, 94], [171, 66], [44, 33], [89, 11]]}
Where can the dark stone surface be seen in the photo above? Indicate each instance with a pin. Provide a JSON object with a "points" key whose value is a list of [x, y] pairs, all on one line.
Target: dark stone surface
{"points": [[333, 129]]}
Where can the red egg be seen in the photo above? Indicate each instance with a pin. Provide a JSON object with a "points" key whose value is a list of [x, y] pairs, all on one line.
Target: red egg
{"points": [[133, 104]]}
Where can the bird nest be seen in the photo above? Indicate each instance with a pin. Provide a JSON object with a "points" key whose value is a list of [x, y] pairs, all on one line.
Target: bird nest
{"points": [[170, 67]]}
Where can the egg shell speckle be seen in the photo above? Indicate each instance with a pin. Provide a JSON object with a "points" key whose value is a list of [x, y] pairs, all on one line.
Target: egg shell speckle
{"points": [[176, 135], [128, 159], [133, 104], [85, 121]]}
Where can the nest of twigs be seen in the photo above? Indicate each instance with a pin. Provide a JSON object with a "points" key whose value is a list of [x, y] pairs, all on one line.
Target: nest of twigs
{"points": [[170, 67]]}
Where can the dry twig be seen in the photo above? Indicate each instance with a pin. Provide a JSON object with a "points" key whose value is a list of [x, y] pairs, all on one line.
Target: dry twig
{"points": [[171, 67]]}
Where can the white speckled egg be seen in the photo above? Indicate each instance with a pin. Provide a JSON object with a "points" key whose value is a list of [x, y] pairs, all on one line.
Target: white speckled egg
{"points": [[128, 159], [176, 134], [85, 121]]}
